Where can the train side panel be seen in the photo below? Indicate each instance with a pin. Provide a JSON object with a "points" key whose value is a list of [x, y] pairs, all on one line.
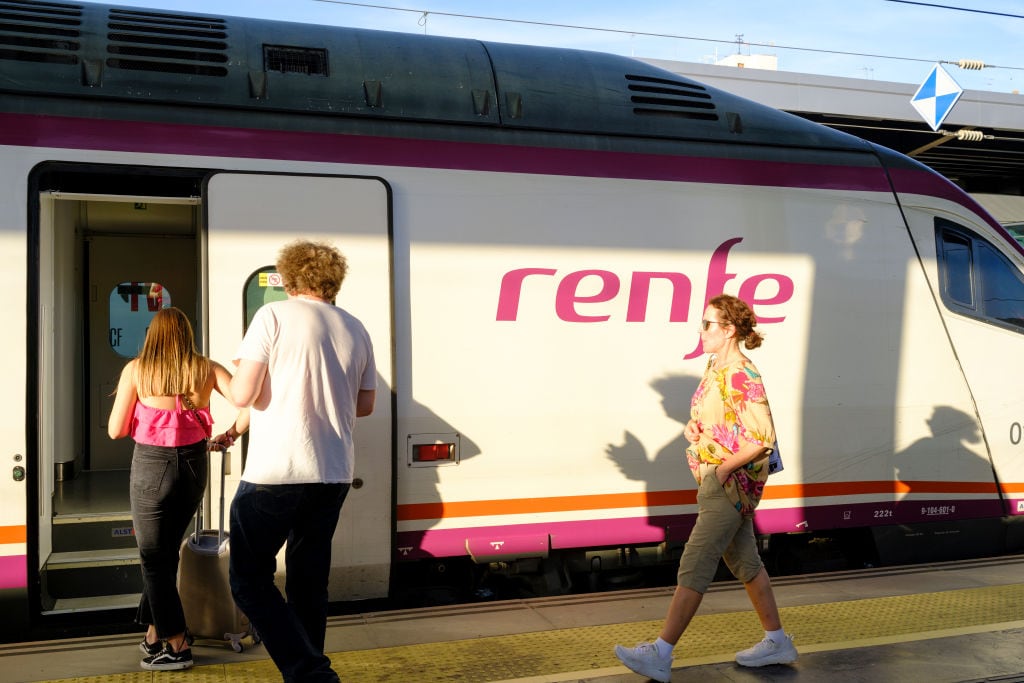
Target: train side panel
{"points": [[581, 314], [533, 268], [545, 329], [20, 395], [974, 270]]}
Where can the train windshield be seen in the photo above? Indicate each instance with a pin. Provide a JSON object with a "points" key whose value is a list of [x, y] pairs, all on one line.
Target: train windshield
{"points": [[977, 280]]}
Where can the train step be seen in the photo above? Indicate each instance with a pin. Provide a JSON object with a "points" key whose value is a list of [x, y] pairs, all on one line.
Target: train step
{"points": [[107, 531], [92, 574], [97, 603]]}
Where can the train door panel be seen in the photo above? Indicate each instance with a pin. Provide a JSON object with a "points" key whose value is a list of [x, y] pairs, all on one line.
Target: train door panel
{"points": [[249, 217], [56, 363]]}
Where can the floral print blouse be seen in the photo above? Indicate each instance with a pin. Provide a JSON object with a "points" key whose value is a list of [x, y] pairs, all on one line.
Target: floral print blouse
{"points": [[730, 408]]}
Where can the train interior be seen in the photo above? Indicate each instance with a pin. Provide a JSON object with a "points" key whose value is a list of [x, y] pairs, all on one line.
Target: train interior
{"points": [[107, 263]]}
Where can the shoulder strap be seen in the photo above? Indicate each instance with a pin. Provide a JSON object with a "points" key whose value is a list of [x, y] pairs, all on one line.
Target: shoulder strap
{"points": [[195, 412]]}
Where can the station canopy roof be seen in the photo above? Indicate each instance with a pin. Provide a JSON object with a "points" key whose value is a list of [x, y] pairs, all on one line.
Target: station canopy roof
{"points": [[881, 112]]}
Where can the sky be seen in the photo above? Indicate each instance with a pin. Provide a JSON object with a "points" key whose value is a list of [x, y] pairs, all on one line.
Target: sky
{"points": [[889, 40]]}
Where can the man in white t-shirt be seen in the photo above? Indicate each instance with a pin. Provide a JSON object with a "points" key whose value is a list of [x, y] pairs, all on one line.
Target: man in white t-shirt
{"points": [[306, 370]]}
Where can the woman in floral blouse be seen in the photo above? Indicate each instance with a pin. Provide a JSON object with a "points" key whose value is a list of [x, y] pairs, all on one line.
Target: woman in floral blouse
{"points": [[731, 435]]}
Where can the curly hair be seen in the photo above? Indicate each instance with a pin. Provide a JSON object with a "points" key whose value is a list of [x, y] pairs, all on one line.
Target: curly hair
{"points": [[315, 268], [737, 313]]}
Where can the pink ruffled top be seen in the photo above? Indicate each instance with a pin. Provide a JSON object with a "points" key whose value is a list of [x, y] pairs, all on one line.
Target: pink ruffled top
{"points": [[178, 427]]}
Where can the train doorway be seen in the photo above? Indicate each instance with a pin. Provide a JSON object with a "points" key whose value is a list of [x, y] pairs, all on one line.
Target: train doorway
{"points": [[107, 263], [117, 244]]}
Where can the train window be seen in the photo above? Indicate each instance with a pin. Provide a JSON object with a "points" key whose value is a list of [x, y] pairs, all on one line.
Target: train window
{"points": [[1002, 288], [956, 254], [131, 307], [1016, 231], [262, 287], [977, 280]]}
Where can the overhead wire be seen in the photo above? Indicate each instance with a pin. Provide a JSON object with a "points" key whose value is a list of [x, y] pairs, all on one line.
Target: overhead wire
{"points": [[958, 9], [458, 15]]}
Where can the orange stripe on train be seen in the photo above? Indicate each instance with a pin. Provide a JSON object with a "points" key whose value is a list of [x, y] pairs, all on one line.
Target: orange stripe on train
{"points": [[487, 508], [13, 534]]}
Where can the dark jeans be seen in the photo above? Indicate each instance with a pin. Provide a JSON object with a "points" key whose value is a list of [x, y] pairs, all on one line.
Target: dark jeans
{"points": [[167, 484], [263, 518]]}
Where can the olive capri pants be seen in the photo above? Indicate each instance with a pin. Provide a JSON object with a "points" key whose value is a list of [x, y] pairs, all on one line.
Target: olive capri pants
{"points": [[721, 532]]}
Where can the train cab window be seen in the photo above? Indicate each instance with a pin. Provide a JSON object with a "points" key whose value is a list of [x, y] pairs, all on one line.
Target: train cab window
{"points": [[958, 283], [1002, 288], [978, 281], [131, 307], [1016, 231], [262, 287]]}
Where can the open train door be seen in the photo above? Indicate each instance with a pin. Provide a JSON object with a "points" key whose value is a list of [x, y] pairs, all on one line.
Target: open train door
{"points": [[249, 217]]}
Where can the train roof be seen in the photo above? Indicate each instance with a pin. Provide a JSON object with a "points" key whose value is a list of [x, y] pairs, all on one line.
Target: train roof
{"points": [[109, 52]]}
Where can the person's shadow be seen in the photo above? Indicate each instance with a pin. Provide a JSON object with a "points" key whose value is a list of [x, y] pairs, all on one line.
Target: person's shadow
{"points": [[441, 576], [946, 455], [667, 470], [942, 526]]}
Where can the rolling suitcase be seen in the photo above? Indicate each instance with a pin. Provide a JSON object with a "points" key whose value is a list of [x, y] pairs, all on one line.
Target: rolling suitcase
{"points": [[210, 611]]}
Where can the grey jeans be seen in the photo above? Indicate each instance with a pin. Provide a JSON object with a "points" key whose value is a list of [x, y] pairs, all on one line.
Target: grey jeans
{"points": [[167, 484]]}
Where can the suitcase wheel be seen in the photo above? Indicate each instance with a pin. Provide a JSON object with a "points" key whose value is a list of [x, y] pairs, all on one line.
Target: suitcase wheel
{"points": [[235, 641]]}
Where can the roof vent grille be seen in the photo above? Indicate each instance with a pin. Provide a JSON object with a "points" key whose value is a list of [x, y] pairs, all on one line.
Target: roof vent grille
{"points": [[295, 60], [39, 31], [664, 97], [167, 43]]}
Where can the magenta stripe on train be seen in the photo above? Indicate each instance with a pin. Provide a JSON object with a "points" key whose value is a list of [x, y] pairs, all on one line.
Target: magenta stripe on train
{"points": [[165, 138], [13, 571], [525, 540]]}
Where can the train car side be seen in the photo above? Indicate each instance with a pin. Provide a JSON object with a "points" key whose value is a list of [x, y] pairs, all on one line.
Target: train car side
{"points": [[533, 235]]}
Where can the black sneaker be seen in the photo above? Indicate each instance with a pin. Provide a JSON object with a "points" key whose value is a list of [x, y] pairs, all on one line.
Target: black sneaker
{"points": [[149, 649], [168, 660]]}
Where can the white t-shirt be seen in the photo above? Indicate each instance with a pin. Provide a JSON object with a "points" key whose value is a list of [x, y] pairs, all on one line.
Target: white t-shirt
{"points": [[318, 358]]}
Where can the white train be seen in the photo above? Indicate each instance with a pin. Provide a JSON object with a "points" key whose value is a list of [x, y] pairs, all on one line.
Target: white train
{"points": [[533, 234]]}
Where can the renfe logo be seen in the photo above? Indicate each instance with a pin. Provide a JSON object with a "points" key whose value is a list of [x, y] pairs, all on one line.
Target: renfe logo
{"points": [[567, 299]]}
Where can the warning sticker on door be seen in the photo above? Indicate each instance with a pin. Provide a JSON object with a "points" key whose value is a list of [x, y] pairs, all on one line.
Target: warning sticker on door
{"points": [[270, 280]]}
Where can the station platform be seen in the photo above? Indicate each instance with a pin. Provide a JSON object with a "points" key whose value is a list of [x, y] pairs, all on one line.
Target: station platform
{"points": [[950, 622]]}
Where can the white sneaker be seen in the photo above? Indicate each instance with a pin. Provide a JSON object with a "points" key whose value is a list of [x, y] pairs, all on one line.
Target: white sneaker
{"points": [[768, 652], [645, 660]]}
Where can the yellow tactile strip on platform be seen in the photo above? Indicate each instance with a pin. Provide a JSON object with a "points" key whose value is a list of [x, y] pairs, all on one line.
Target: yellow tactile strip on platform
{"points": [[589, 648]]}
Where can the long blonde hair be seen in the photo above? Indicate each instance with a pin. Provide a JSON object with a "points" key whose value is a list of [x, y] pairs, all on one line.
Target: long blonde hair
{"points": [[169, 363]]}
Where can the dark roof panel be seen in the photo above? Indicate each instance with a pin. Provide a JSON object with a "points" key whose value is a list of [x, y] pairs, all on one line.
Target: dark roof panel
{"points": [[199, 60]]}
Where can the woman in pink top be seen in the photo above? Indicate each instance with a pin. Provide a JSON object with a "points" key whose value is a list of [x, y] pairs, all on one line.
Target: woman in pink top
{"points": [[163, 403]]}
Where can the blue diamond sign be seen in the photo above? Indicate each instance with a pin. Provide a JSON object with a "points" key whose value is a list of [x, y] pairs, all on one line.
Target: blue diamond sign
{"points": [[936, 96]]}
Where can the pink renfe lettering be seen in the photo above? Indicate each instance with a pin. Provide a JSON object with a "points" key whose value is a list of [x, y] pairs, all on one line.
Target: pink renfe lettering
{"points": [[512, 288], [760, 290], [567, 297], [640, 289]]}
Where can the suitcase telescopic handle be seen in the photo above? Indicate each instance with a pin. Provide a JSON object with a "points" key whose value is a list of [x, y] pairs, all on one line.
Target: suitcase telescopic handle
{"points": [[225, 454]]}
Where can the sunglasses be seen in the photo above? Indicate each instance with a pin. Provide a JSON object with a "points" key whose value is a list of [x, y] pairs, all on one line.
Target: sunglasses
{"points": [[705, 324]]}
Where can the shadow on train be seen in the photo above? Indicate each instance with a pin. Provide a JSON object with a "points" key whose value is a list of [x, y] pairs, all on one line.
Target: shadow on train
{"points": [[447, 581]]}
